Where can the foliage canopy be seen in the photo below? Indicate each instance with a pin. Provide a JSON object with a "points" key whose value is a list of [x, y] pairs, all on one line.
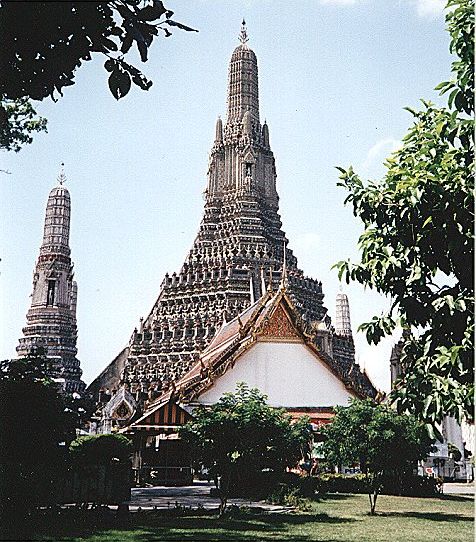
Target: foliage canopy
{"points": [[43, 44], [380, 440], [100, 449], [417, 244], [241, 435], [36, 423]]}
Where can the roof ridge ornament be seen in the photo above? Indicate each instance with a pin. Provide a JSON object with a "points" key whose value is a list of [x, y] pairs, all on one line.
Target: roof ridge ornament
{"points": [[270, 284], [243, 37], [61, 177], [284, 271]]}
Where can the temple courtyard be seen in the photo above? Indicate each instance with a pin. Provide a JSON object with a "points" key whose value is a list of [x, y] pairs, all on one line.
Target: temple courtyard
{"points": [[337, 517]]}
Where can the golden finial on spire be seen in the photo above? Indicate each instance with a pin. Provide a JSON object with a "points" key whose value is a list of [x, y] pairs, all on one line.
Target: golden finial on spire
{"points": [[62, 176], [243, 37], [270, 285], [284, 272]]}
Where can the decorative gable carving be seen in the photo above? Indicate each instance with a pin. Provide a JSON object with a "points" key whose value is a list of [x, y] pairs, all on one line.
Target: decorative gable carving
{"points": [[121, 406], [278, 326], [122, 412]]}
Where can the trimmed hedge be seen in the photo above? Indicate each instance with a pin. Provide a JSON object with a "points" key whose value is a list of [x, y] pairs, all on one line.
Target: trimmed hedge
{"points": [[341, 483], [292, 490], [410, 486], [100, 449]]}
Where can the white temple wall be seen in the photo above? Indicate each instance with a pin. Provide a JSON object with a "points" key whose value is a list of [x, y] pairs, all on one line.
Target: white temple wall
{"points": [[453, 433], [287, 372], [469, 436]]}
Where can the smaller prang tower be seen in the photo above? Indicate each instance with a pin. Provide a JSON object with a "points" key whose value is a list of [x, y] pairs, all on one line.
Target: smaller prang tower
{"points": [[51, 319], [343, 326], [343, 340]]}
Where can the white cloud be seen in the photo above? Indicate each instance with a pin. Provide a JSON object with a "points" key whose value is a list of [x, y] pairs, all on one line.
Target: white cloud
{"points": [[339, 2], [430, 8], [372, 165]]}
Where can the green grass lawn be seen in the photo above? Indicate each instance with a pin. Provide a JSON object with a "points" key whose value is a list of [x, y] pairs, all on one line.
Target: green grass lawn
{"points": [[333, 518]]}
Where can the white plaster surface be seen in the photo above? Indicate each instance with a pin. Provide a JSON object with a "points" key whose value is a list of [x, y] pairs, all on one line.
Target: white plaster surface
{"points": [[289, 373], [453, 433]]}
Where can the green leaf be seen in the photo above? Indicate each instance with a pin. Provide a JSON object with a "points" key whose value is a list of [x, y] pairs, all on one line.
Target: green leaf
{"points": [[180, 25], [127, 43], [110, 64], [426, 405], [142, 50], [452, 97], [431, 431], [119, 83]]}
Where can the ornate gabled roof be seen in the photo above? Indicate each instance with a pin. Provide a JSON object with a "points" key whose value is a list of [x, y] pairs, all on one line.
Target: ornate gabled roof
{"points": [[122, 405], [272, 318], [166, 414]]}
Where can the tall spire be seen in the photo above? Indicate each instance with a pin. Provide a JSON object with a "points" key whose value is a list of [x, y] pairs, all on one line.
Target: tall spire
{"points": [[239, 235], [243, 81], [343, 326], [51, 319]]}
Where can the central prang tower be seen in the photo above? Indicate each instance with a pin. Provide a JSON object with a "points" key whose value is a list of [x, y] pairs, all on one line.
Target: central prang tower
{"points": [[238, 254]]}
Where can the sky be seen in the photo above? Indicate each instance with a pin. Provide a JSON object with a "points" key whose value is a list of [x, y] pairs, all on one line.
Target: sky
{"points": [[334, 77]]}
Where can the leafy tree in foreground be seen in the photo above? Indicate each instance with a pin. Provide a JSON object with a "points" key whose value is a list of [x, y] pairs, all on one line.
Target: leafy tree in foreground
{"points": [[36, 424], [383, 442], [417, 245], [18, 120], [240, 436], [100, 449], [43, 43]]}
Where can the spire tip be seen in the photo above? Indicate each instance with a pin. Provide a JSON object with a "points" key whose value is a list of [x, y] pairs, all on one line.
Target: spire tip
{"points": [[243, 37], [62, 177]]}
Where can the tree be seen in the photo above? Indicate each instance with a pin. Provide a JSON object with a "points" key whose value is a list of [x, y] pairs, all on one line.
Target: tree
{"points": [[43, 44], [18, 120], [37, 422], [100, 449], [380, 440], [240, 436], [417, 244]]}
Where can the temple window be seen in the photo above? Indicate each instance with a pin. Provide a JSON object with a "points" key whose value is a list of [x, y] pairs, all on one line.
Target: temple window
{"points": [[50, 299]]}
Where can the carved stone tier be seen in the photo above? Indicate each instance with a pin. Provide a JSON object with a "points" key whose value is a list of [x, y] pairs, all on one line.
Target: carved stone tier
{"points": [[238, 253], [51, 319]]}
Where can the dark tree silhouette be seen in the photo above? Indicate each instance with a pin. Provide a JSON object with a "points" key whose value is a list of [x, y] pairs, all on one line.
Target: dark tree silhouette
{"points": [[418, 242], [44, 43]]}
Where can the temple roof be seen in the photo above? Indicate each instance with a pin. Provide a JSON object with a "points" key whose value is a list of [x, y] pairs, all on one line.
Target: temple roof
{"points": [[272, 318]]}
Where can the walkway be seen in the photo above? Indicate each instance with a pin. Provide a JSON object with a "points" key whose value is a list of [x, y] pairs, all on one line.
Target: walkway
{"points": [[458, 488], [194, 496]]}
